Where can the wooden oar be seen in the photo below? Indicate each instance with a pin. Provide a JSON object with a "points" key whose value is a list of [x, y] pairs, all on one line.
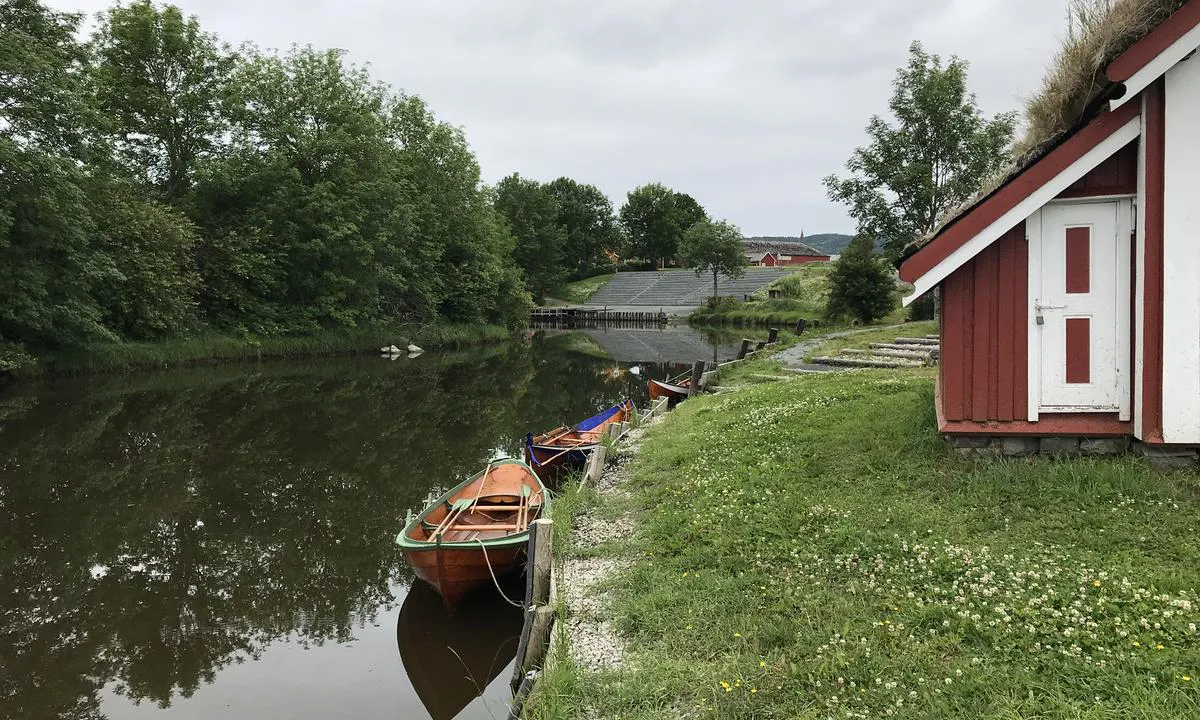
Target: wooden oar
{"points": [[459, 506]]}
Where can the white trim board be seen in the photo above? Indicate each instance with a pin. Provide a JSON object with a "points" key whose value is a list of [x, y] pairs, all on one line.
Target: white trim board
{"points": [[1156, 68], [1126, 134], [1139, 291], [1181, 262]]}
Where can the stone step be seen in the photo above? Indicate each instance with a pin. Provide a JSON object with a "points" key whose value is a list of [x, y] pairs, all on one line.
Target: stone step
{"points": [[915, 349], [917, 341], [924, 358], [933, 337], [868, 362]]}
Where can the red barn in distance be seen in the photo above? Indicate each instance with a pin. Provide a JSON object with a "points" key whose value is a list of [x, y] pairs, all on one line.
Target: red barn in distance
{"points": [[768, 252], [1070, 292]]}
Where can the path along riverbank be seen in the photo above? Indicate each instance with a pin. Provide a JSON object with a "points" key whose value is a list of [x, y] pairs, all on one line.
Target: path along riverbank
{"points": [[809, 547]]}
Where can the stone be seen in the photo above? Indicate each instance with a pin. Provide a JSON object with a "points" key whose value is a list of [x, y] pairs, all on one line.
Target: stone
{"points": [[1168, 458], [414, 349], [968, 441], [1104, 446], [1019, 446], [1059, 446]]}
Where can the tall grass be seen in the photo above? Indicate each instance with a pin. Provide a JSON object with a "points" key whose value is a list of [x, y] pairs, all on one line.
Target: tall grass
{"points": [[223, 348]]}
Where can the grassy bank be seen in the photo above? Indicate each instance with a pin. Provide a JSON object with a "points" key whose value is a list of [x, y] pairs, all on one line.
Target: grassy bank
{"points": [[579, 292], [801, 295], [810, 548], [222, 348]]}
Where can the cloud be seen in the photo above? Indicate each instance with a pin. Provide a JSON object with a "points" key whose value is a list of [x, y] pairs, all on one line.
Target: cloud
{"points": [[746, 106]]}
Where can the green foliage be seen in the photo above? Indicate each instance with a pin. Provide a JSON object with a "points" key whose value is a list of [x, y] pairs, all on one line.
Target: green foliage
{"points": [[587, 218], [713, 247], [923, 308], [936, 156], [811, 548], [531, 210], [655, 218], [861, 285], [581, 291], [304, 196], [158, 80]]}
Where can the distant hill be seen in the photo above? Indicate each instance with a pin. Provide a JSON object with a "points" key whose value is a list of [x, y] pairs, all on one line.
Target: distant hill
{"points": [[829, 243]]}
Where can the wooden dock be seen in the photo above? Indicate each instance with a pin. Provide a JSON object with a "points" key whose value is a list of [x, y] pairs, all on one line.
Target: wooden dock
{"points": [[576, 317]]}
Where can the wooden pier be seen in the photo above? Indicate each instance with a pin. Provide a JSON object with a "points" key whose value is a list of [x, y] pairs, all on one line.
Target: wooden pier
{"points": [[576, 317]]}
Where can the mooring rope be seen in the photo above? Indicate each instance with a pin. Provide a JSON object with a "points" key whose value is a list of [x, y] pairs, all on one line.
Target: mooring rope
{"points": [[496, 582]]}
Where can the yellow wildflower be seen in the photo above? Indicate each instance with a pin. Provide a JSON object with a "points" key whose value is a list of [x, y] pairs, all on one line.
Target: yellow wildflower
{"points": [[725, 685], [1158, 647], [753, 690], [1096, 583], [1186, 678], [762, 663], [737, 634]]}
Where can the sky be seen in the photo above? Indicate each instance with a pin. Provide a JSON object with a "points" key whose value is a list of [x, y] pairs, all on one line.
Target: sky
{"points": [[746, 105]]}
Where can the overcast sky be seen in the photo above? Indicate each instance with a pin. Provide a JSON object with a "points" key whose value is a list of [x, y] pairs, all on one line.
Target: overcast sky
{"points": [[744, 105]]}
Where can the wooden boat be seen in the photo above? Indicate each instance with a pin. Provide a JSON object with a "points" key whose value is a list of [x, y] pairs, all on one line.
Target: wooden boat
{"points": [[675, 391], [452, 659], [476, 532], [562, 447]]}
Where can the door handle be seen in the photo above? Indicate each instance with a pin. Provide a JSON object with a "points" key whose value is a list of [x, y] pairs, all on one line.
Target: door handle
{"points": [[1049, 307]]}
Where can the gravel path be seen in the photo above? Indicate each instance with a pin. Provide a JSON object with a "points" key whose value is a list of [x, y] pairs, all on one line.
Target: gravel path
{"points": [[793, 357], [594, 644]]}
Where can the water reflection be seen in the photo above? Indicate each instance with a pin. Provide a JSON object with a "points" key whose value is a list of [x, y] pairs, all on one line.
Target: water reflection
{"points": [[157, 529]]}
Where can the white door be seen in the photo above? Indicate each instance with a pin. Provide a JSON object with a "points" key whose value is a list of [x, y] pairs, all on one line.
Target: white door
{"points": [[1076, 281]]}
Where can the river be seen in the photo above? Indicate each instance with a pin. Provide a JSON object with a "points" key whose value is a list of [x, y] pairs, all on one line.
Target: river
{"points": [[218, 542]]}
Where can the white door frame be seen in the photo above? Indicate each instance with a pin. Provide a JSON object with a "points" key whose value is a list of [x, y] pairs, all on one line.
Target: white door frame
{"points": [[1033, 237]]}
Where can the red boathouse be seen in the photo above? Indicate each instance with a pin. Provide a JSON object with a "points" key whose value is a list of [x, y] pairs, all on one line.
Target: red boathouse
{"points": [[1070, 294]]}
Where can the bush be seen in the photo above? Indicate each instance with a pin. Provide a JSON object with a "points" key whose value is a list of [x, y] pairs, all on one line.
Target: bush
{"points": [[861, 285], [923, 308]]}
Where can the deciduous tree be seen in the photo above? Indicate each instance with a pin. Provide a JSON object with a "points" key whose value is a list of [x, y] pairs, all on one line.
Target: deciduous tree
{"points": [[861, 285], [531, 211], [655, 219], [586, 216], [714, 247], [938, 152]]}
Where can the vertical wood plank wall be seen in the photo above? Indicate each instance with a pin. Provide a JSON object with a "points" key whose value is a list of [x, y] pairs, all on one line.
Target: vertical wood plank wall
{"points": [[985, 337]]}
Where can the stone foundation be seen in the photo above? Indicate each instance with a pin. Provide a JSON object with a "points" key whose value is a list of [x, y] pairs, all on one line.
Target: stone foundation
{"points": [[1172, 457]]}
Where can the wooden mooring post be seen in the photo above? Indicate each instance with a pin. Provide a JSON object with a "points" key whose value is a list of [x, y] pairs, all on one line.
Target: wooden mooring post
{"points": [[773, 336], [595, 466], [744, 349], [800, 325], [762, 344], [539, 614], [697, 374]]}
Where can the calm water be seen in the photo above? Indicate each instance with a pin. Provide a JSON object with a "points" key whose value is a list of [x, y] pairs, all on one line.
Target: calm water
{"points": [[217, 542]]}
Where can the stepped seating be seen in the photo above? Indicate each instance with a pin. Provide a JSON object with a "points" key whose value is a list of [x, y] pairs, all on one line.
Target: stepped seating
{"points": [[676, 288]]}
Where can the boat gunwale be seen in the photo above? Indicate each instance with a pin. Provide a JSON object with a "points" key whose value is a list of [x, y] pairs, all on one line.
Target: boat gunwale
{"points": [[517, 539]]}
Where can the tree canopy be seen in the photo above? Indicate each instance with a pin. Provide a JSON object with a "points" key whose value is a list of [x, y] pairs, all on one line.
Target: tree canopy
{"points": [[935, 156], [655, 218], [158, 184], [714, 247]]}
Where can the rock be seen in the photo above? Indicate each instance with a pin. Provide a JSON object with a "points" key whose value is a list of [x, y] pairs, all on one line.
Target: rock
{"points": [[414, 349], [1167, 458], [1104, 446], [1019, 446], [1059, 447]]}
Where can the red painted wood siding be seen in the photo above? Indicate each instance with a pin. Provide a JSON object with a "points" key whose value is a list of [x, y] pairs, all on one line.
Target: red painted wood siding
{"points": [[805, 259], [985, 336], [1152, 330], [1115, 176]]}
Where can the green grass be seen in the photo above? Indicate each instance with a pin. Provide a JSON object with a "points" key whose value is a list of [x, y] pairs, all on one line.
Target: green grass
{"points": [[812, 549], [581, 291], [220, 348], [802, 296]]}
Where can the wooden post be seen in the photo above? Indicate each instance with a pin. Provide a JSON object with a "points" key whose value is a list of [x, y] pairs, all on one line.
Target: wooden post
{"points": [[662, 405], [800, 325], [697, 373], [773, 336], [541, 625], [595, 466], [541, 558], [744, 349], [761, 344]]}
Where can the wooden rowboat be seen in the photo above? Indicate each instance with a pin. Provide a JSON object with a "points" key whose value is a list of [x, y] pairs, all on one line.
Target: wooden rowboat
{"points": [[674, 393], [562, 447], [476, 532]]}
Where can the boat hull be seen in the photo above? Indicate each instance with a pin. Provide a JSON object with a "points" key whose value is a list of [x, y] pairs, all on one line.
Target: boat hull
{"points": [[673, 393], [565, 448], [457, 573]]}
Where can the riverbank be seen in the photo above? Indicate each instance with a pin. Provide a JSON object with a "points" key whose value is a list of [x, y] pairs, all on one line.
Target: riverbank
{"points": [[211, 349], [810, 547]]}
